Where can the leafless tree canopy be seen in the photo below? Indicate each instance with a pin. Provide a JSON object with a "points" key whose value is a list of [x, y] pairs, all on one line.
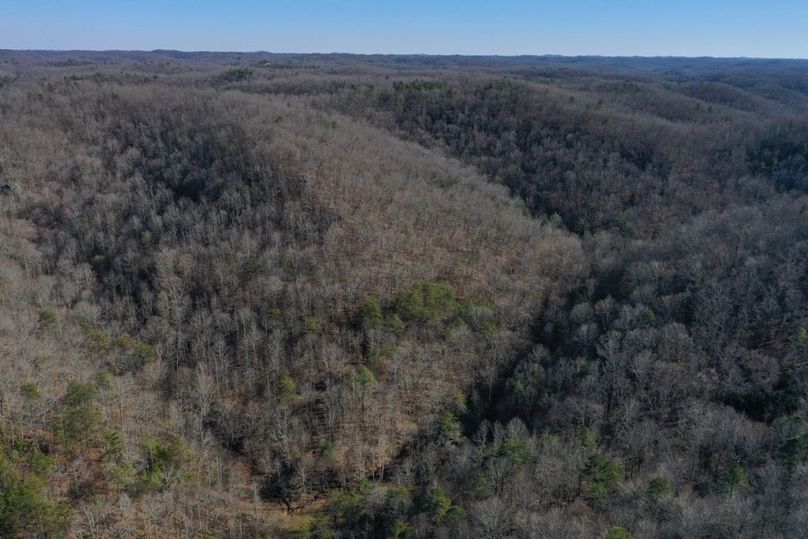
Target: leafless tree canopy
{"points": [[333, 296]]}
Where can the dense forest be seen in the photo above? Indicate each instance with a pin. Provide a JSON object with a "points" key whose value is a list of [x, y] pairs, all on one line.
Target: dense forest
{"points": [[310, 296]]}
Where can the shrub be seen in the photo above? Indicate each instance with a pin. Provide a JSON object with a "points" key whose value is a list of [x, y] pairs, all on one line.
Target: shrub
{"points": [[618, 533], [440, 507], [319, 528], [146, 240], [377, 354], [40, 361], [587, 438], [426, 302], [238, 74], [79, 394], [329, 448], [516, 450], [80, 419], [97, 340], [253, 265], [39, 463], [114, 443], [103, 380], [48, 319], [733, 480], [287, 390], [401, 530], [418, 85], [460, 402], [365, 378], [399, 498], [477, 315], [120, 475], [602, 477], [31, 391], [480, 487], [349, 508], [142, 351], [25, 510], [449, 428], [658, 489], [395, 324], [438, 503], [164, 461], [312, 325], [454, 516], [370, 313]]}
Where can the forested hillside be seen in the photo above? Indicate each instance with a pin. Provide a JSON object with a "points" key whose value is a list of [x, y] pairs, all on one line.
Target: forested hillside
{"points": [[333, 296]]}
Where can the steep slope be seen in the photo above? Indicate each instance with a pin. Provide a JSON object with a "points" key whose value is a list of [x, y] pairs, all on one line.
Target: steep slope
{"points": [[294, 291]]}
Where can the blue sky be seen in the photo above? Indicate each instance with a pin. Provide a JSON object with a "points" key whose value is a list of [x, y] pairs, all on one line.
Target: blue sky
{"points": [[761, 28]]}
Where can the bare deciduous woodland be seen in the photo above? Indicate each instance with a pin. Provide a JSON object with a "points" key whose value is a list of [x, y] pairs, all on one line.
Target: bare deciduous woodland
{"points": [[310, 296]]}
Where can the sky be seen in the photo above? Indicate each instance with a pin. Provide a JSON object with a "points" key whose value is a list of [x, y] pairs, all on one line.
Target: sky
{"points": [[752, 28]]}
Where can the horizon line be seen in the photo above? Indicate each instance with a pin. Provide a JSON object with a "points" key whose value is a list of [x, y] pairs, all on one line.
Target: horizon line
{"points": [[425, 54]]}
